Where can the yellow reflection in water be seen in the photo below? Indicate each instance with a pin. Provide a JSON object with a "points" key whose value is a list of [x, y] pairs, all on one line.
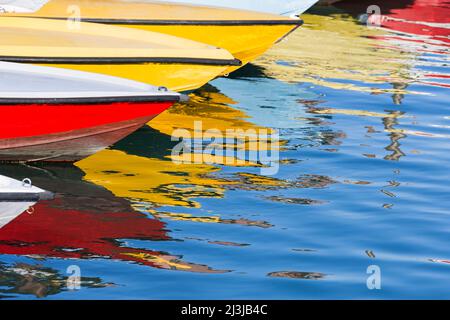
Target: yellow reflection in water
{"points": [[209, 219], [161, 181], [353, 112], [333, 50], [213, 108], [151, 180]]}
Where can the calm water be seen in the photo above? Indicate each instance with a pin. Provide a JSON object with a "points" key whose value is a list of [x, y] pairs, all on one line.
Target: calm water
{"points": [[364, 116]]}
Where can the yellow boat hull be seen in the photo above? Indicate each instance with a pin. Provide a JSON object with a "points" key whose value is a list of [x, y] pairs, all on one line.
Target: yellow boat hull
{"points": [[245, 34], [245, 42], [176, 77], [149, 57]]}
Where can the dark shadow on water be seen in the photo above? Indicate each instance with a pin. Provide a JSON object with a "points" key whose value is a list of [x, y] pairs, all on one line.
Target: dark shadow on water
{"points": [[356, 8], [147, 142], [62, 179], [249, 71], [360, 6], [297, 275]]}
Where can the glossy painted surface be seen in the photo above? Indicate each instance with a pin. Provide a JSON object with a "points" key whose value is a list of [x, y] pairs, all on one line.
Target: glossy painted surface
{"points": [[287, 7], [148, 10], [65, 115], [47, 39], [55, 38], [176, 77], [53, 84], [69, 132], [245, 43], [35, 120], [243, 40], [363, 182]]}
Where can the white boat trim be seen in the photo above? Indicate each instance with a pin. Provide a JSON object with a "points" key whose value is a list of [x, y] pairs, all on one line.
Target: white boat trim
{"points": [[12, 190], [291, 8], [21, 6], [122, 87]]}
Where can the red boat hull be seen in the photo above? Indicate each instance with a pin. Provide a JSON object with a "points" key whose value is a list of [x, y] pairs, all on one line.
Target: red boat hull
{"points": [[68, 132]]}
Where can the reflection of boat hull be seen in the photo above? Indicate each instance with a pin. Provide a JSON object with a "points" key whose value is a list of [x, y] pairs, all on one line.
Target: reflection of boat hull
{"points": [[84, 221], [11, 210], [69, 146]]}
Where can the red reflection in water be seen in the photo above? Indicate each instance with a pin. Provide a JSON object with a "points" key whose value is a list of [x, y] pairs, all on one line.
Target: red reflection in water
{"points": [[425, 11], [422, 27], [418, 26], [420, 18], [53, 231]]}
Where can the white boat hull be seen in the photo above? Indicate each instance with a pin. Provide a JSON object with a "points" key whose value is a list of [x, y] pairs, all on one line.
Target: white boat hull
{"points": [[280, 7]]}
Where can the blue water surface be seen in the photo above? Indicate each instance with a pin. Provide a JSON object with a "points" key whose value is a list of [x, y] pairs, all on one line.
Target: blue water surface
{"points": [[363, 181]]}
